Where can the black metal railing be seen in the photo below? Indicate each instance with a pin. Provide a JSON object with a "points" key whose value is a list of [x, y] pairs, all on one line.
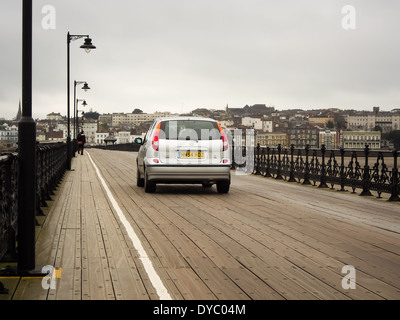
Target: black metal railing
{"points": [[51, 166], [8, 203], [368, 170]]}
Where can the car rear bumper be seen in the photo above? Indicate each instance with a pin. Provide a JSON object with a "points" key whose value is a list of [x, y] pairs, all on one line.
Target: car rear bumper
{"points": [[188, 173]]}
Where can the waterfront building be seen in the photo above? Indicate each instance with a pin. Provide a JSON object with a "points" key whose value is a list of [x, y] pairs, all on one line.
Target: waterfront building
{"points": [[358, 139]]}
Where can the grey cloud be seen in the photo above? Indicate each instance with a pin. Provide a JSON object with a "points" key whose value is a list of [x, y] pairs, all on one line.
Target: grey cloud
{"points": [[160, 55]]}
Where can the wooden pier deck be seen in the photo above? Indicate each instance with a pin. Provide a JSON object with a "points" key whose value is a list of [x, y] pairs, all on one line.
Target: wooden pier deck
{"points": [[265, 239]]}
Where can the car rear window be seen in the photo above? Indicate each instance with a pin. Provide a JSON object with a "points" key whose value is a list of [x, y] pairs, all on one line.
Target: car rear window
{"points": [[189, 130]]}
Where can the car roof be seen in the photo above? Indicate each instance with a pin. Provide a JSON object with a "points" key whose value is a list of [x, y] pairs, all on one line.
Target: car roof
{"points": [[184, 118]]}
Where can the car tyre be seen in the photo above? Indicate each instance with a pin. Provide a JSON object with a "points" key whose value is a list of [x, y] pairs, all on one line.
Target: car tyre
{"points": [[149, 186], [139, 180], [223, 186]]}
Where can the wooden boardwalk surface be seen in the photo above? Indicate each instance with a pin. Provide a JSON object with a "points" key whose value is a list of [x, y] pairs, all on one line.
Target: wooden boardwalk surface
{"points": [[265, 239]]}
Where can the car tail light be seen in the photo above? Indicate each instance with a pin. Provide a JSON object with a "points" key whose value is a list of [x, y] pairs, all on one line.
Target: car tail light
{"points": [[224, 139], [156, 139]]}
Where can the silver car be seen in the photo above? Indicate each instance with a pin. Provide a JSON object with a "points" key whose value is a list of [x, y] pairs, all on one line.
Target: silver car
{"points": [[184, 150]]}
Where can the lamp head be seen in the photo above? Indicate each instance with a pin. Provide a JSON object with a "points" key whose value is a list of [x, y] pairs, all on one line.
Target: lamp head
{"points": [[88, 45], [85, 87]]}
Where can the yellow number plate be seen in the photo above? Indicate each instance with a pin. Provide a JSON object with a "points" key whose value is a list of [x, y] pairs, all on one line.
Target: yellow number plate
{"points": [[190, 154]]}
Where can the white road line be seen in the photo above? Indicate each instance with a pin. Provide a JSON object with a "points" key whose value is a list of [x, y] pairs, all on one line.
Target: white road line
{"points": [[147, 264]]}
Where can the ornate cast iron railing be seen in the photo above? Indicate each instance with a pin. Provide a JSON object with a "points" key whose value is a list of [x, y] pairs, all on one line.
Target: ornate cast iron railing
{"points": [[8, 203], [367, 170], [51, 166]]}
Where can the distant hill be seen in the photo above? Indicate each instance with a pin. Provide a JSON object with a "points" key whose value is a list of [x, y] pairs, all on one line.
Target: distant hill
{"points": [[256, 109]]}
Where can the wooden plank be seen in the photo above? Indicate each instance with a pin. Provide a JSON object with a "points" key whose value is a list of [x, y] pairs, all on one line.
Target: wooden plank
{"points": [[66, 259], [124, 276], [96, 279], [10, 284], [49, 233], [30, 289]]}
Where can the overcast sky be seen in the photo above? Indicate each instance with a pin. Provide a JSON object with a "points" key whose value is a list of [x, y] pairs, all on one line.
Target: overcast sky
{"points": [[178, 55]]}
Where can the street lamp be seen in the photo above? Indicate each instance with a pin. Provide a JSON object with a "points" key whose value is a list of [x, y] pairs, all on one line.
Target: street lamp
{"points": [[84, 104], [85, 88], [88, 46]]}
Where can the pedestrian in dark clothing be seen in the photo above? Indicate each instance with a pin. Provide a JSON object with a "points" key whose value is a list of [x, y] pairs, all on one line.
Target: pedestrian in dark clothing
{"points": [[81, 142]]}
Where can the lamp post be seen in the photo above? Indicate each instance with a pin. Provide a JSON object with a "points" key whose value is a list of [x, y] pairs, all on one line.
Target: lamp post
{"points": [[84, 104], [87, 46], [26, 152], [85, 88]]}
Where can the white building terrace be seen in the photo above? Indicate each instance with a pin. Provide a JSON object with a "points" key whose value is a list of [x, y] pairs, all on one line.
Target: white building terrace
{"points": [[9, 134], [366, 120]]}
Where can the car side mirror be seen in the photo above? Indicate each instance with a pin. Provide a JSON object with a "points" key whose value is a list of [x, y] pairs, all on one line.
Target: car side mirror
{"points": [[138, 141]]}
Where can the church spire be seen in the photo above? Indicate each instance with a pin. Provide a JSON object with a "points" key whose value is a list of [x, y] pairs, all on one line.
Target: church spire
{"points": [[19, 113]]}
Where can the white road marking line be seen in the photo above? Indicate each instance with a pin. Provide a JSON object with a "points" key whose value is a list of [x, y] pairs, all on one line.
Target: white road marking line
{"points": [[148, 266]]}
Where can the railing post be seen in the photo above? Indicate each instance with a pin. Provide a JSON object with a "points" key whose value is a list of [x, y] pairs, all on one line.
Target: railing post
{"points": [[257, 161], [307, 167], [342, 171], [394, 183], [279, 165], [291, 173], [366, 175], [233, 164], [268, 165], [322, 183]]}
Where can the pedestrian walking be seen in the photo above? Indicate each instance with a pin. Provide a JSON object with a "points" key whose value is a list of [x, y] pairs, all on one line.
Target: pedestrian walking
{"points": [[81, 142]]}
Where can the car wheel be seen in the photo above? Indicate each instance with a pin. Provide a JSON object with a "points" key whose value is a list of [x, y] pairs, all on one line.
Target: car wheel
{"points": [[139, 180], [223, 186], [149, 186]]}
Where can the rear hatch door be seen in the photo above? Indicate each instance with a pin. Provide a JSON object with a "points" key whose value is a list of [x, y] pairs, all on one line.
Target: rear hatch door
{"points": [[191, 142]]}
